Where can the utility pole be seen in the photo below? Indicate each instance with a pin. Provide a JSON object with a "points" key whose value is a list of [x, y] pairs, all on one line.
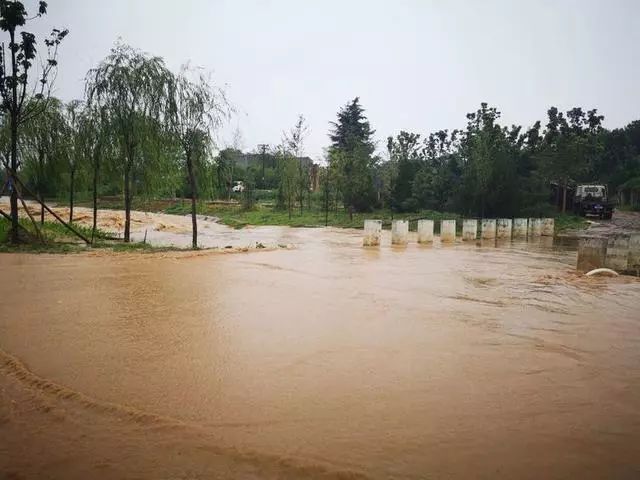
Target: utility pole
{"points": [[263, 151]]}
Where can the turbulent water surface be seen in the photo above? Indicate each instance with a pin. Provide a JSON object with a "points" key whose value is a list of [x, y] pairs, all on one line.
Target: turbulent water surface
{"points": [[325, 361]]}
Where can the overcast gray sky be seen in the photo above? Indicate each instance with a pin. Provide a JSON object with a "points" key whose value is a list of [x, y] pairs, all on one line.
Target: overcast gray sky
{"points": [[416, 65]]}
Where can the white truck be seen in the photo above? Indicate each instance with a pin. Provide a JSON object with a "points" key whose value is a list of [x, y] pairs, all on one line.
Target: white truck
{"points": [[592, 200]]}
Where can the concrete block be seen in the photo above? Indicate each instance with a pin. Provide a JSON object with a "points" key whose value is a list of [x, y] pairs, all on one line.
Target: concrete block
{"points": [[503, 228], [617, 257], [399, 232], [591, 253], [535, 227], [372, 233], [470, 229], [425, 231], [520, 226], [548, 227], [448, 231], [634, 253], [488, 228]]}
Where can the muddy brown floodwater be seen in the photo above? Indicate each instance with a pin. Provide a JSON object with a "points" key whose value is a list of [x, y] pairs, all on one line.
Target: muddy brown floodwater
{"points": [[325, 361]]}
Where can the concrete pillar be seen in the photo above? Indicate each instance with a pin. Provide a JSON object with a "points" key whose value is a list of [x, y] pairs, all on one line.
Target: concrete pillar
{"points": [[591, 253], [425, 231], [548, 227], [617, 257], [634, 253], [503, 228], [520, 226], [535, 227], [488, 228], [448, 231], [399, 232], [469, 229], [372, 233]]}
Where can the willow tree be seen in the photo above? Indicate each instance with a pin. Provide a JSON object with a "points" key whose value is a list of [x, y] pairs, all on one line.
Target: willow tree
{"points": [[23, 91], [92, 141], [135, 88], [199, 108], [38, 149], [71, 146]]}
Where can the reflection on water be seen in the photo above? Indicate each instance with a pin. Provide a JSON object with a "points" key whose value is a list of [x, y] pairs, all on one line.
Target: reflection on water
{"points": [[327, 361]]}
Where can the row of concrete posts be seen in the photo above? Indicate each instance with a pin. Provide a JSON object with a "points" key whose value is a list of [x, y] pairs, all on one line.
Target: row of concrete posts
{"points": [[504, 228]]}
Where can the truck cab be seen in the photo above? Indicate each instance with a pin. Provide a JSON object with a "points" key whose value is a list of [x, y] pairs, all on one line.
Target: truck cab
{"points": [[592, 200]]}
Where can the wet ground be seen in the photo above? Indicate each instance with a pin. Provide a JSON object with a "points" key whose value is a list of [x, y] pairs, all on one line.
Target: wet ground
{"points": [[622, 222], [324, 361]]}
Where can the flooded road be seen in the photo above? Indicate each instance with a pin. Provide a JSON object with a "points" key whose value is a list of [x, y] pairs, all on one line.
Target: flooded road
{"points": [[325, 361], [163, 230]]}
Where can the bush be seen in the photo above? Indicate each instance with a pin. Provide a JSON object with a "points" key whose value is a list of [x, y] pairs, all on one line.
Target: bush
{"points": [[539, 210]]}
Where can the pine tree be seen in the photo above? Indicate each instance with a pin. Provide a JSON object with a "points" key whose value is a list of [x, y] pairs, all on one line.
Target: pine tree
{"points": [[351, 153]]}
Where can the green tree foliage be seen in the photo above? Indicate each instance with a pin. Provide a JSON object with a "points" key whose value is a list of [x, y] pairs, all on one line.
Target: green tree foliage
{"points": [[406, 152], [23, 93], [197, 109], [488, 181], [96, 145], [42, 165], [288, 171], [493, 170], [571, 145], [294, 144], [224, 169], [71, 146], [136, 91], [436, 180], [351, 157]]}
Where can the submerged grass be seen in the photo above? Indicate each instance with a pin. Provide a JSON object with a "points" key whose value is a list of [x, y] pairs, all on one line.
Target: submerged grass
{"points": [[58, 239]]}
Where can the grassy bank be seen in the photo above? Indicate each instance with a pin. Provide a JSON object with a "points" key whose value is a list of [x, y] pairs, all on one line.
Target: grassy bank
{"points": [[264, 214], [234, 216], [565, 222]]}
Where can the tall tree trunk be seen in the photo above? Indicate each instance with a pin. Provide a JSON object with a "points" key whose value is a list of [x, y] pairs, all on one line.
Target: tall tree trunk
{"points": [[71, 192], [564, 197], [326, 205], [96, 168], [194, 220], [127, 202], [14, 146], [41, 174], [41, 197]]}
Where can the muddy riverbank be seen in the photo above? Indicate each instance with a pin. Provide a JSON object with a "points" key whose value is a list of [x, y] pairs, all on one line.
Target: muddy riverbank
{"points": [[623, 222], [324, 361]]}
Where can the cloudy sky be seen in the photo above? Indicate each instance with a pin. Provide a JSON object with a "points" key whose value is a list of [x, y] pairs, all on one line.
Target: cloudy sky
{"points": [[416, 65]]}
